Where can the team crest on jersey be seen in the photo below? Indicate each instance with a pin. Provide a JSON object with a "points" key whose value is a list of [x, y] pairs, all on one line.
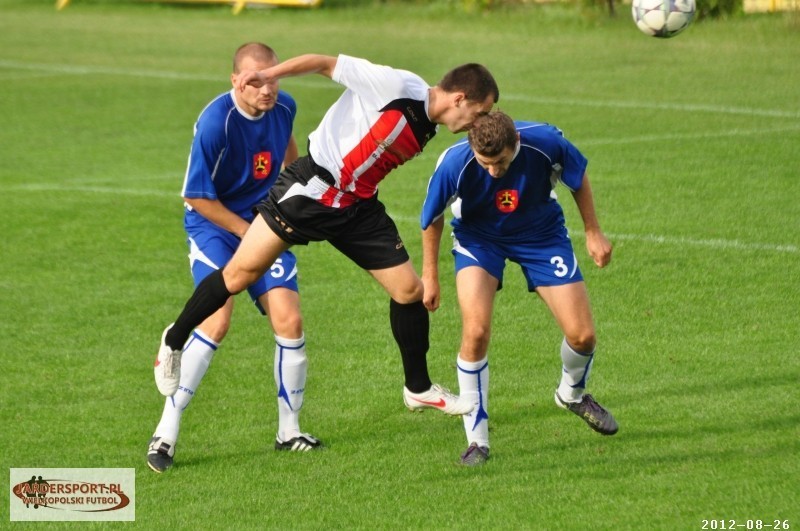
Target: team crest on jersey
{"points": [[506, 201], [262, 165]]}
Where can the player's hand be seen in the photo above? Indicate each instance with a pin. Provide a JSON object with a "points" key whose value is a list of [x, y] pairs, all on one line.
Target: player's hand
{"points": [[250, 77], [431, 294], [599, 248]]}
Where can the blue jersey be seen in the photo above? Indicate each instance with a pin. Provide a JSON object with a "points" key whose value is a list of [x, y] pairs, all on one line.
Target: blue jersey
{"points": [[520, 205], [236, 158]]}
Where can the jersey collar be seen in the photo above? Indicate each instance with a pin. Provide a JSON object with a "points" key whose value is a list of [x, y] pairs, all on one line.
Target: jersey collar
{"points": [[241, 111]]}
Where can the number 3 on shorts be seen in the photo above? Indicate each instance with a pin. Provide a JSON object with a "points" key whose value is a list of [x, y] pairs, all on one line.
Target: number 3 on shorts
{"points": [[561, 268]]}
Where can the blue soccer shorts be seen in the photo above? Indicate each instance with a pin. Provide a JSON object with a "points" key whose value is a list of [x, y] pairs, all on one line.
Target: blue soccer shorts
{"points": [[544, 262], [210, 248]]}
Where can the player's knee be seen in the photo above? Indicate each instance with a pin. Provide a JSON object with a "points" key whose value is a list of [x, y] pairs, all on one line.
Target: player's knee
{"points": [[408, 292], [233, 282], [238, 279], [476, 337], [583, 341], [288, 325]]}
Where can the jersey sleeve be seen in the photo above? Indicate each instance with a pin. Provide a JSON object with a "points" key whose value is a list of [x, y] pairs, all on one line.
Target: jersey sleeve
{"points": [[568, 163], [571, 161], [574, 166], [442, 188], [377, 84], [208, 146]]}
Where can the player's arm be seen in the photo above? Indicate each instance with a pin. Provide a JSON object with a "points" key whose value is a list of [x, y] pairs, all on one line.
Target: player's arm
{"points": [[214, 211], [596, 242], [291, 152], [441, 193], [431, 242], [296, 66]]}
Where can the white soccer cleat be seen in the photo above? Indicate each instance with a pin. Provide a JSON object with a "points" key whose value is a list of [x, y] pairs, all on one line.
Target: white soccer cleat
{"points": [[167, 368], [437, 397]]}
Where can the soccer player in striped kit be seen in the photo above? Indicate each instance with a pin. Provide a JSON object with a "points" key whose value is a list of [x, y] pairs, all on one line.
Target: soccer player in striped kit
{"points": [[384, 117], [499, 183], [241, 140]]}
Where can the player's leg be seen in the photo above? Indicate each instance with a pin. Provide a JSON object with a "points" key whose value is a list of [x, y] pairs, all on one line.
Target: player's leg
{"points": [[197, 355], [290, 367], [409, 321], [370, 239], [259, 248], [277, 296], [282, 304], [569, 304], [410, 325], [209, 248], [476, 291]]}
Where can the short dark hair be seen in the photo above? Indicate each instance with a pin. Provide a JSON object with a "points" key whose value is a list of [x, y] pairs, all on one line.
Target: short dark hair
{"points": [[257, 50], [492, 133], [474, 80]]}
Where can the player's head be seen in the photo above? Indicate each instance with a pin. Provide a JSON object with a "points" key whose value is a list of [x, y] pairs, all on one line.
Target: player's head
{"points": [[471, 91], [255, 56], [494, 140]]}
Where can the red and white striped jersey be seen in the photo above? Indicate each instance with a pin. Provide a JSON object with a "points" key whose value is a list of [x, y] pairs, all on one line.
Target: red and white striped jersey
{"points": [[377, 124]]}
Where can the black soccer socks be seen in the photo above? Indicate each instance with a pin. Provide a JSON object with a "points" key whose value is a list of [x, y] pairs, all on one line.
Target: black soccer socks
{"points": [[209, 296], [411, 328]]}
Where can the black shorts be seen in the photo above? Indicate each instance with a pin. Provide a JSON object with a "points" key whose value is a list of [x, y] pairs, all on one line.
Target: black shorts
{"points": [[363, 232]]}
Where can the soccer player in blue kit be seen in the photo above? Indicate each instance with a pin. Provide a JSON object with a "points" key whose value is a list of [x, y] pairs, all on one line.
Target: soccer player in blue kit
{"points": [[499, 184], [241, 140], [384, 118]]}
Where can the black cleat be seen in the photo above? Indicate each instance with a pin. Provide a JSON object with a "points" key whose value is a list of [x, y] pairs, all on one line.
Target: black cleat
{"points": [[302, 443], [475, 455], [160, 454], [592, 413]]}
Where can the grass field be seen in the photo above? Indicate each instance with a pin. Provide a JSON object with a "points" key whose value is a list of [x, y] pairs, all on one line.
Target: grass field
{"points": [[693, 148]]}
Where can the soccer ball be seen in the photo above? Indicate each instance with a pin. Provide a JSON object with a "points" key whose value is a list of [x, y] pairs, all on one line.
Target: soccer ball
{"points": [[662, 18]]}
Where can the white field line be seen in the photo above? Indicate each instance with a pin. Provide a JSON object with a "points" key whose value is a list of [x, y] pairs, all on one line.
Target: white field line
{"points": [[686, 136], [710, 243], [684, 107], [33, 187], [43, 69], [38, 70]]}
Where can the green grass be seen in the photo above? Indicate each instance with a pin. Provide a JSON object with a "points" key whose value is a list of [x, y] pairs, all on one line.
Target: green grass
{"points": [[693, 157]]}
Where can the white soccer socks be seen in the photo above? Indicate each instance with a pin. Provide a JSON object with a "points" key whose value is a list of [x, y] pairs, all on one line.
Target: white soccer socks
{"points": [[291, 369], [574, 373], [473, 384], [197, 356]]}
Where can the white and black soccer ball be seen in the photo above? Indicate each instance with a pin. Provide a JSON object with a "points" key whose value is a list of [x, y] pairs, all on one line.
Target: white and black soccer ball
{"points": [[663, 18]]}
